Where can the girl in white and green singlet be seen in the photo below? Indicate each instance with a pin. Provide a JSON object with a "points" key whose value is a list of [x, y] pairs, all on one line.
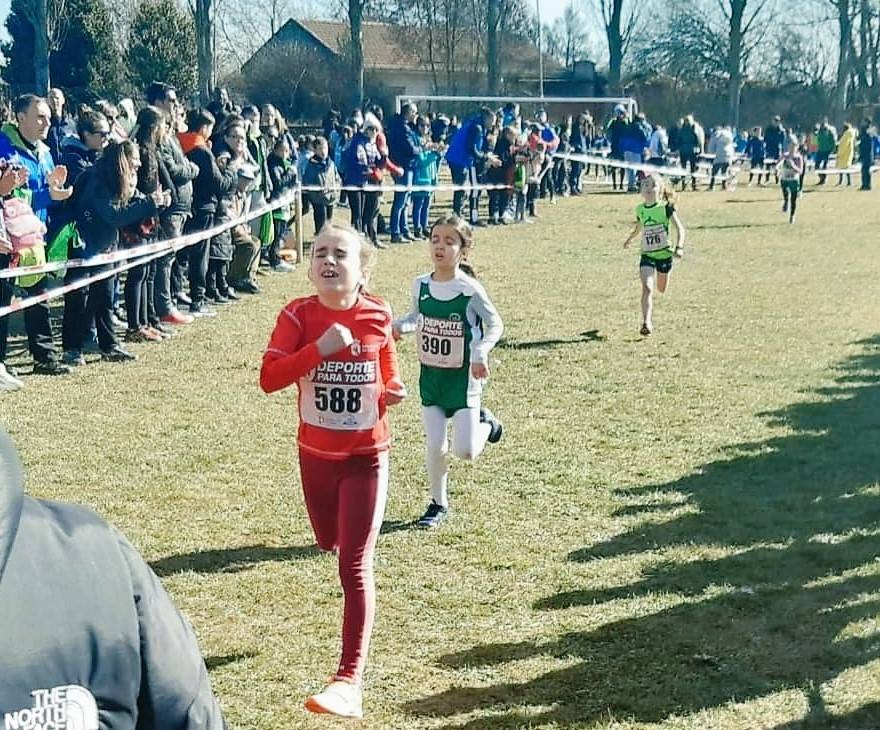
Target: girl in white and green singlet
{"points": [[456, 325], [653, 217]]}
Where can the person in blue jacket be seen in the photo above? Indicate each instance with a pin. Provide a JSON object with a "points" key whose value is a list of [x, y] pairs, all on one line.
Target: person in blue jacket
{"points": [[23, 144], [404, 148], [467, 157], [90, 638]]}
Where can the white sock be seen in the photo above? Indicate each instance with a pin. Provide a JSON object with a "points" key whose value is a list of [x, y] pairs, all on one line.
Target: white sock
{"points": [[436, 460]]}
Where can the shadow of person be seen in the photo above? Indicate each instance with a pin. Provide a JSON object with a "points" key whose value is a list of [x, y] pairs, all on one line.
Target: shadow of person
{"points": [[229, 560], [785, 606]]}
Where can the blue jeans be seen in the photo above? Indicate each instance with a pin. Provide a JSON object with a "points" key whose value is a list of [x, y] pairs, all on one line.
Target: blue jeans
{"points": [[636, 159], [421, 208], [398, 207]]}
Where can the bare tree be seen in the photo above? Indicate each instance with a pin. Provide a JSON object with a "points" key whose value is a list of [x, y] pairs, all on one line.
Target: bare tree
{"points": [[620, 19], [844, 15], [356, 48], [744, 34], [572, 31], [49, 20], [864, 54], [493, 56], [203, 12]]}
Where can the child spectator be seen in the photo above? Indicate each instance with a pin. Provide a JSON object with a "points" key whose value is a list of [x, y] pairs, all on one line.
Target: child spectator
{"points": [[426, 172], [321, 172]]}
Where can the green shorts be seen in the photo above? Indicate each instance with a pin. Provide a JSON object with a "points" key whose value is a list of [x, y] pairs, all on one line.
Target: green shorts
{"points": [[792, 186]]}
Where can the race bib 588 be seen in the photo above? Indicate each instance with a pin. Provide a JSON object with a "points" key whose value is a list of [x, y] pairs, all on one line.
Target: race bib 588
{"points": [[342, 395]]}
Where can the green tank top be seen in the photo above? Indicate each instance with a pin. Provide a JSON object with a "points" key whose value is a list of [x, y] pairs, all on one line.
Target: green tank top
{"points": [[444, 342], [655, 230]]}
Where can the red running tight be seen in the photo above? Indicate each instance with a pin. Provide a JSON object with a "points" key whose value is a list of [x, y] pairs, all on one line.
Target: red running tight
{"points": [[346, 501]]}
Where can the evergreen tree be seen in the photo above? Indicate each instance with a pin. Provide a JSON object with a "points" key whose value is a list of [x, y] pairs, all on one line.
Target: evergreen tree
{"points": [[162, 46], [86, 64]]}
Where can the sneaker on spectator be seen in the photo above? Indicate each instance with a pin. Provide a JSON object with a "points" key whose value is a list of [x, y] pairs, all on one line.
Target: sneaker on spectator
{"points": [[51, 367], [231, 295], [175, 316], [118, 354], [434, 515], [152, 334], [407, 237], [245, 285], [201, 310], [8, 381], [397, 239], [164, 330], [184, 299], [282, 267], [74, 358], [117, 322]]}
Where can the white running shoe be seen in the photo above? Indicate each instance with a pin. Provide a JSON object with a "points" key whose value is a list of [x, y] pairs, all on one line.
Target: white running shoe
{"points": [[9, 381], [339, 698]]}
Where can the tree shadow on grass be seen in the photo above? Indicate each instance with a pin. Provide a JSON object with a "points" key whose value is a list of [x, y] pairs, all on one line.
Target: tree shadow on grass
{"points": [[866, 717], [588, 336], [724, 226], [230, 560], [798, 518], [215, 662]]}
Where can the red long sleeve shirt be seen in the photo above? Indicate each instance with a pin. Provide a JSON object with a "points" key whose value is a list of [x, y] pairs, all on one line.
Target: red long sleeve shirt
{"points": [[342, 410]]}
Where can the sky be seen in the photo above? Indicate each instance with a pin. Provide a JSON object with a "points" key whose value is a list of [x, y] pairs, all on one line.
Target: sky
{"points": [[4, 11], [550, 10]]}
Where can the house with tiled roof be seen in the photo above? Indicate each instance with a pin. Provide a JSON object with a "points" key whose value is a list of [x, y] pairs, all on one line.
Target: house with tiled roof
{"points": [[405, 61]]}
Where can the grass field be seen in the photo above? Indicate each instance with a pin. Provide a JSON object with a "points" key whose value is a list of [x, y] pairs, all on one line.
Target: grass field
{"points": [[678, 531]]}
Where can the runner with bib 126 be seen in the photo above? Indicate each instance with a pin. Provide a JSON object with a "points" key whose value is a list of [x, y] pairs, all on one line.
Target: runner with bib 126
{"points": [[337, 347], [653, 217], [456, 325]]}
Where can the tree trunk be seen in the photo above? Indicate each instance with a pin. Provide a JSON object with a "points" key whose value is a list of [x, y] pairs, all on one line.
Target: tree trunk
{"points": [[356, 22], [205, 49], [493, 61], [734, 61], [844, 26], [37, 14], [861, 58], [615, 45]]}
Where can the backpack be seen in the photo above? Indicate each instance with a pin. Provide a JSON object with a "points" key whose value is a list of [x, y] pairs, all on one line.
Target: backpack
{"points": [[23, 228]]}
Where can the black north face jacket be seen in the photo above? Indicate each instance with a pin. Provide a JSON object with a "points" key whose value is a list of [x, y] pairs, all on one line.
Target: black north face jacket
{"points": [[89, 639]]}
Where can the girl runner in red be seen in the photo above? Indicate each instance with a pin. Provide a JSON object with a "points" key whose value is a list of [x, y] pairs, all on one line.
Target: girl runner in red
{"points": [[336, 345]]}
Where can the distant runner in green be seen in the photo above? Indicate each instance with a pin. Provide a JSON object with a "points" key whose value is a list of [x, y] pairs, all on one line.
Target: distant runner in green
{"points": [[653, 217]]}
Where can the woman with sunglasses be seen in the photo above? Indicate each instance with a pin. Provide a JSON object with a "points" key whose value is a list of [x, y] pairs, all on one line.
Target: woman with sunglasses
{"points": [[80, 153]]}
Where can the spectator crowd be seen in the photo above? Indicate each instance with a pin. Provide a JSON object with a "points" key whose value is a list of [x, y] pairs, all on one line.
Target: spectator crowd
{"points": [[115, 177]]}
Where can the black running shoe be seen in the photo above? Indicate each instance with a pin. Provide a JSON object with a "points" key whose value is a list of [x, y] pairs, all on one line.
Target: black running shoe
{"points": [[434, 515], [495, 427]]}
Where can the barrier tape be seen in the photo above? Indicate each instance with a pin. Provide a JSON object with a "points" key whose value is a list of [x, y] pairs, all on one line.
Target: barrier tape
{"points": [[73, 286], [188, 239], [165, 246], [131, 257], [666, 170]]}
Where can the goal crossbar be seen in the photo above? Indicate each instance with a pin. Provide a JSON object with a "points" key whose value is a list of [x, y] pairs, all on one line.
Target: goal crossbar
{"points": [[631, 104]]}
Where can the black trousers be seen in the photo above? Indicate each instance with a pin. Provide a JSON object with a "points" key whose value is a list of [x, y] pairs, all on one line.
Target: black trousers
{"points": [[38, 325], [197, 256], [321, 213], [93, 303]]}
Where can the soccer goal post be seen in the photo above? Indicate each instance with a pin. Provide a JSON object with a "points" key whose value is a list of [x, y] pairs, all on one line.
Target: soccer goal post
{"points": [[529, 104]]}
